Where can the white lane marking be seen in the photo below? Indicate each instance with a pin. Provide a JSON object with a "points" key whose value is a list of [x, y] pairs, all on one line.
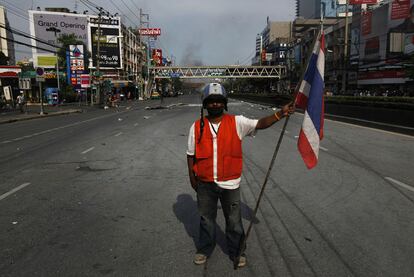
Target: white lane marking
{"points": [[87, 150], [13, 191], [136, 124], [401, 184], [323, 148], [369, 128], [61, 127], [117, 135]]}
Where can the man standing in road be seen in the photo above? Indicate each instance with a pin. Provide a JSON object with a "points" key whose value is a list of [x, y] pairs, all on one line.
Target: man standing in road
{"points": [[214, 159]]}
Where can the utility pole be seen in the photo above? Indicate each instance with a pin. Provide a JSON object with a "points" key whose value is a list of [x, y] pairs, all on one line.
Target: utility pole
{"points": [[57, 70], [98, 62], [41, 98], [141, 15], [344, 66]]}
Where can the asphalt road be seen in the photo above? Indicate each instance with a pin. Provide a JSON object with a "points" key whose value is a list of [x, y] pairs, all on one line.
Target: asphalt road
{"points": [[106, 193]]}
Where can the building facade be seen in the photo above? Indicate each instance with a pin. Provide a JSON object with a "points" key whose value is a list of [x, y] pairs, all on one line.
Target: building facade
{"points": [[316, 8], [272, 43], [120, 53], [6, 43]]}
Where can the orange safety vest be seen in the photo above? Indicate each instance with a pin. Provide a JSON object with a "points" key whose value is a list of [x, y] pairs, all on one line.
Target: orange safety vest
{"points": [[229, 151]]}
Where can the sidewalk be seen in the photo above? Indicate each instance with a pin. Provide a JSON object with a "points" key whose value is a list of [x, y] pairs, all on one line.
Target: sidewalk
{"points": [[32, 111]]}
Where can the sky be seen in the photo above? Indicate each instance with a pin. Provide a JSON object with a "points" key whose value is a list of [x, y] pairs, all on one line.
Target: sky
{"points": [[209, 32]]}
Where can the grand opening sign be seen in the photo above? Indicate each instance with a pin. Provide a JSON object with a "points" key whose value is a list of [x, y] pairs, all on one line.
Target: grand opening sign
{"points": [[150, 31]]}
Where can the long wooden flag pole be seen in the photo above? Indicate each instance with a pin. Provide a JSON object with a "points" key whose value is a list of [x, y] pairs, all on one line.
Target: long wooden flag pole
{"points": [[279, 142]]}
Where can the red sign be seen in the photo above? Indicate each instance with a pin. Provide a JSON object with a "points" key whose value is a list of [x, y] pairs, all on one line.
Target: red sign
{"points": [[150, 31], [359, 2], [84, 78], [381, 74], [366, 23], [157, 56], [263, 55], [372, 46], [400, 9]]}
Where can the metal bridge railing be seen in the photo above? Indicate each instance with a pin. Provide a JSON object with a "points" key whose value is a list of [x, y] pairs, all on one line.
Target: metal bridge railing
{"points": [[199, 72]]}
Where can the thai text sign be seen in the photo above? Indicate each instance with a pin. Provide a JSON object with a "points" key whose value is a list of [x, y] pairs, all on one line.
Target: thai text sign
{"points": [[150, 31]]}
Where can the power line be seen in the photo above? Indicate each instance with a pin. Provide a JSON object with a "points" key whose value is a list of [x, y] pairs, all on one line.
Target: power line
{"points": [[28, 36], [128, 8], [116, 6], [31, 46]]}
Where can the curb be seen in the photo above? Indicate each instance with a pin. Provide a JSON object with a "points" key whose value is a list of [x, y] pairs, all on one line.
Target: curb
{"points": [[39, 116]]}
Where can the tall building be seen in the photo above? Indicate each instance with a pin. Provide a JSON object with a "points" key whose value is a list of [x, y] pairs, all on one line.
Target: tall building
{"points": [[313, 8], [6, 44], [272, 42]]}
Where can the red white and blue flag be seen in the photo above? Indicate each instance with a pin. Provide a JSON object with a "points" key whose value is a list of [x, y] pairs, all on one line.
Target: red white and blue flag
{"points": [[310, 98]]}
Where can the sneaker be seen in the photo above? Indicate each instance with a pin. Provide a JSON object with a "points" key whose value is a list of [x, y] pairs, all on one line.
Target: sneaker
{"points": [[242, 261], [200, 259]]}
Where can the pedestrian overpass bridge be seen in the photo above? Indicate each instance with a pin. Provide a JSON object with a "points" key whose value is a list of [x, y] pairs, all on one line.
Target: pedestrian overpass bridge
{"points": [[213, 72], [221, 72]]}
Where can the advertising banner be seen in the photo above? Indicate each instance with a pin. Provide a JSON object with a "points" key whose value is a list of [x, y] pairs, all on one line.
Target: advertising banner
{"points": [[366, 23], [373, 38], [400, 9], [49, 26], [77, 64], [157, 56], [109, 48]]}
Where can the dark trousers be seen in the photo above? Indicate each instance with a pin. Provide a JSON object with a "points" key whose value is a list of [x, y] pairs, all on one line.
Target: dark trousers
{"points": [[207, 198]]}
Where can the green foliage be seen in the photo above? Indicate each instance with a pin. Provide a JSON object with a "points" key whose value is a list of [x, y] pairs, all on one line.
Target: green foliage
{"points": [[67, 40], [26, 67], [68, 94]]}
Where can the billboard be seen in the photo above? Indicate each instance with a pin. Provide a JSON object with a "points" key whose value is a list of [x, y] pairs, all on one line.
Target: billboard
{"points": [[110, 46], [373, 37], [366, 23], [49, 26]]}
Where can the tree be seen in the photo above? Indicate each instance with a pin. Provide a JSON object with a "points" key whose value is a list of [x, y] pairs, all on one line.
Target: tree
{"points": [[65, 40], [4, 60]]}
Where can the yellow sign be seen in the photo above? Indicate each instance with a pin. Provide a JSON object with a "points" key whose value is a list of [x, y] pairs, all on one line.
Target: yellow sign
{"points": [[46, 61]]}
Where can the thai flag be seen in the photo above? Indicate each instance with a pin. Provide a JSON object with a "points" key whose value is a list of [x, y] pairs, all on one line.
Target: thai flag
{"points": [[310, 98]]}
